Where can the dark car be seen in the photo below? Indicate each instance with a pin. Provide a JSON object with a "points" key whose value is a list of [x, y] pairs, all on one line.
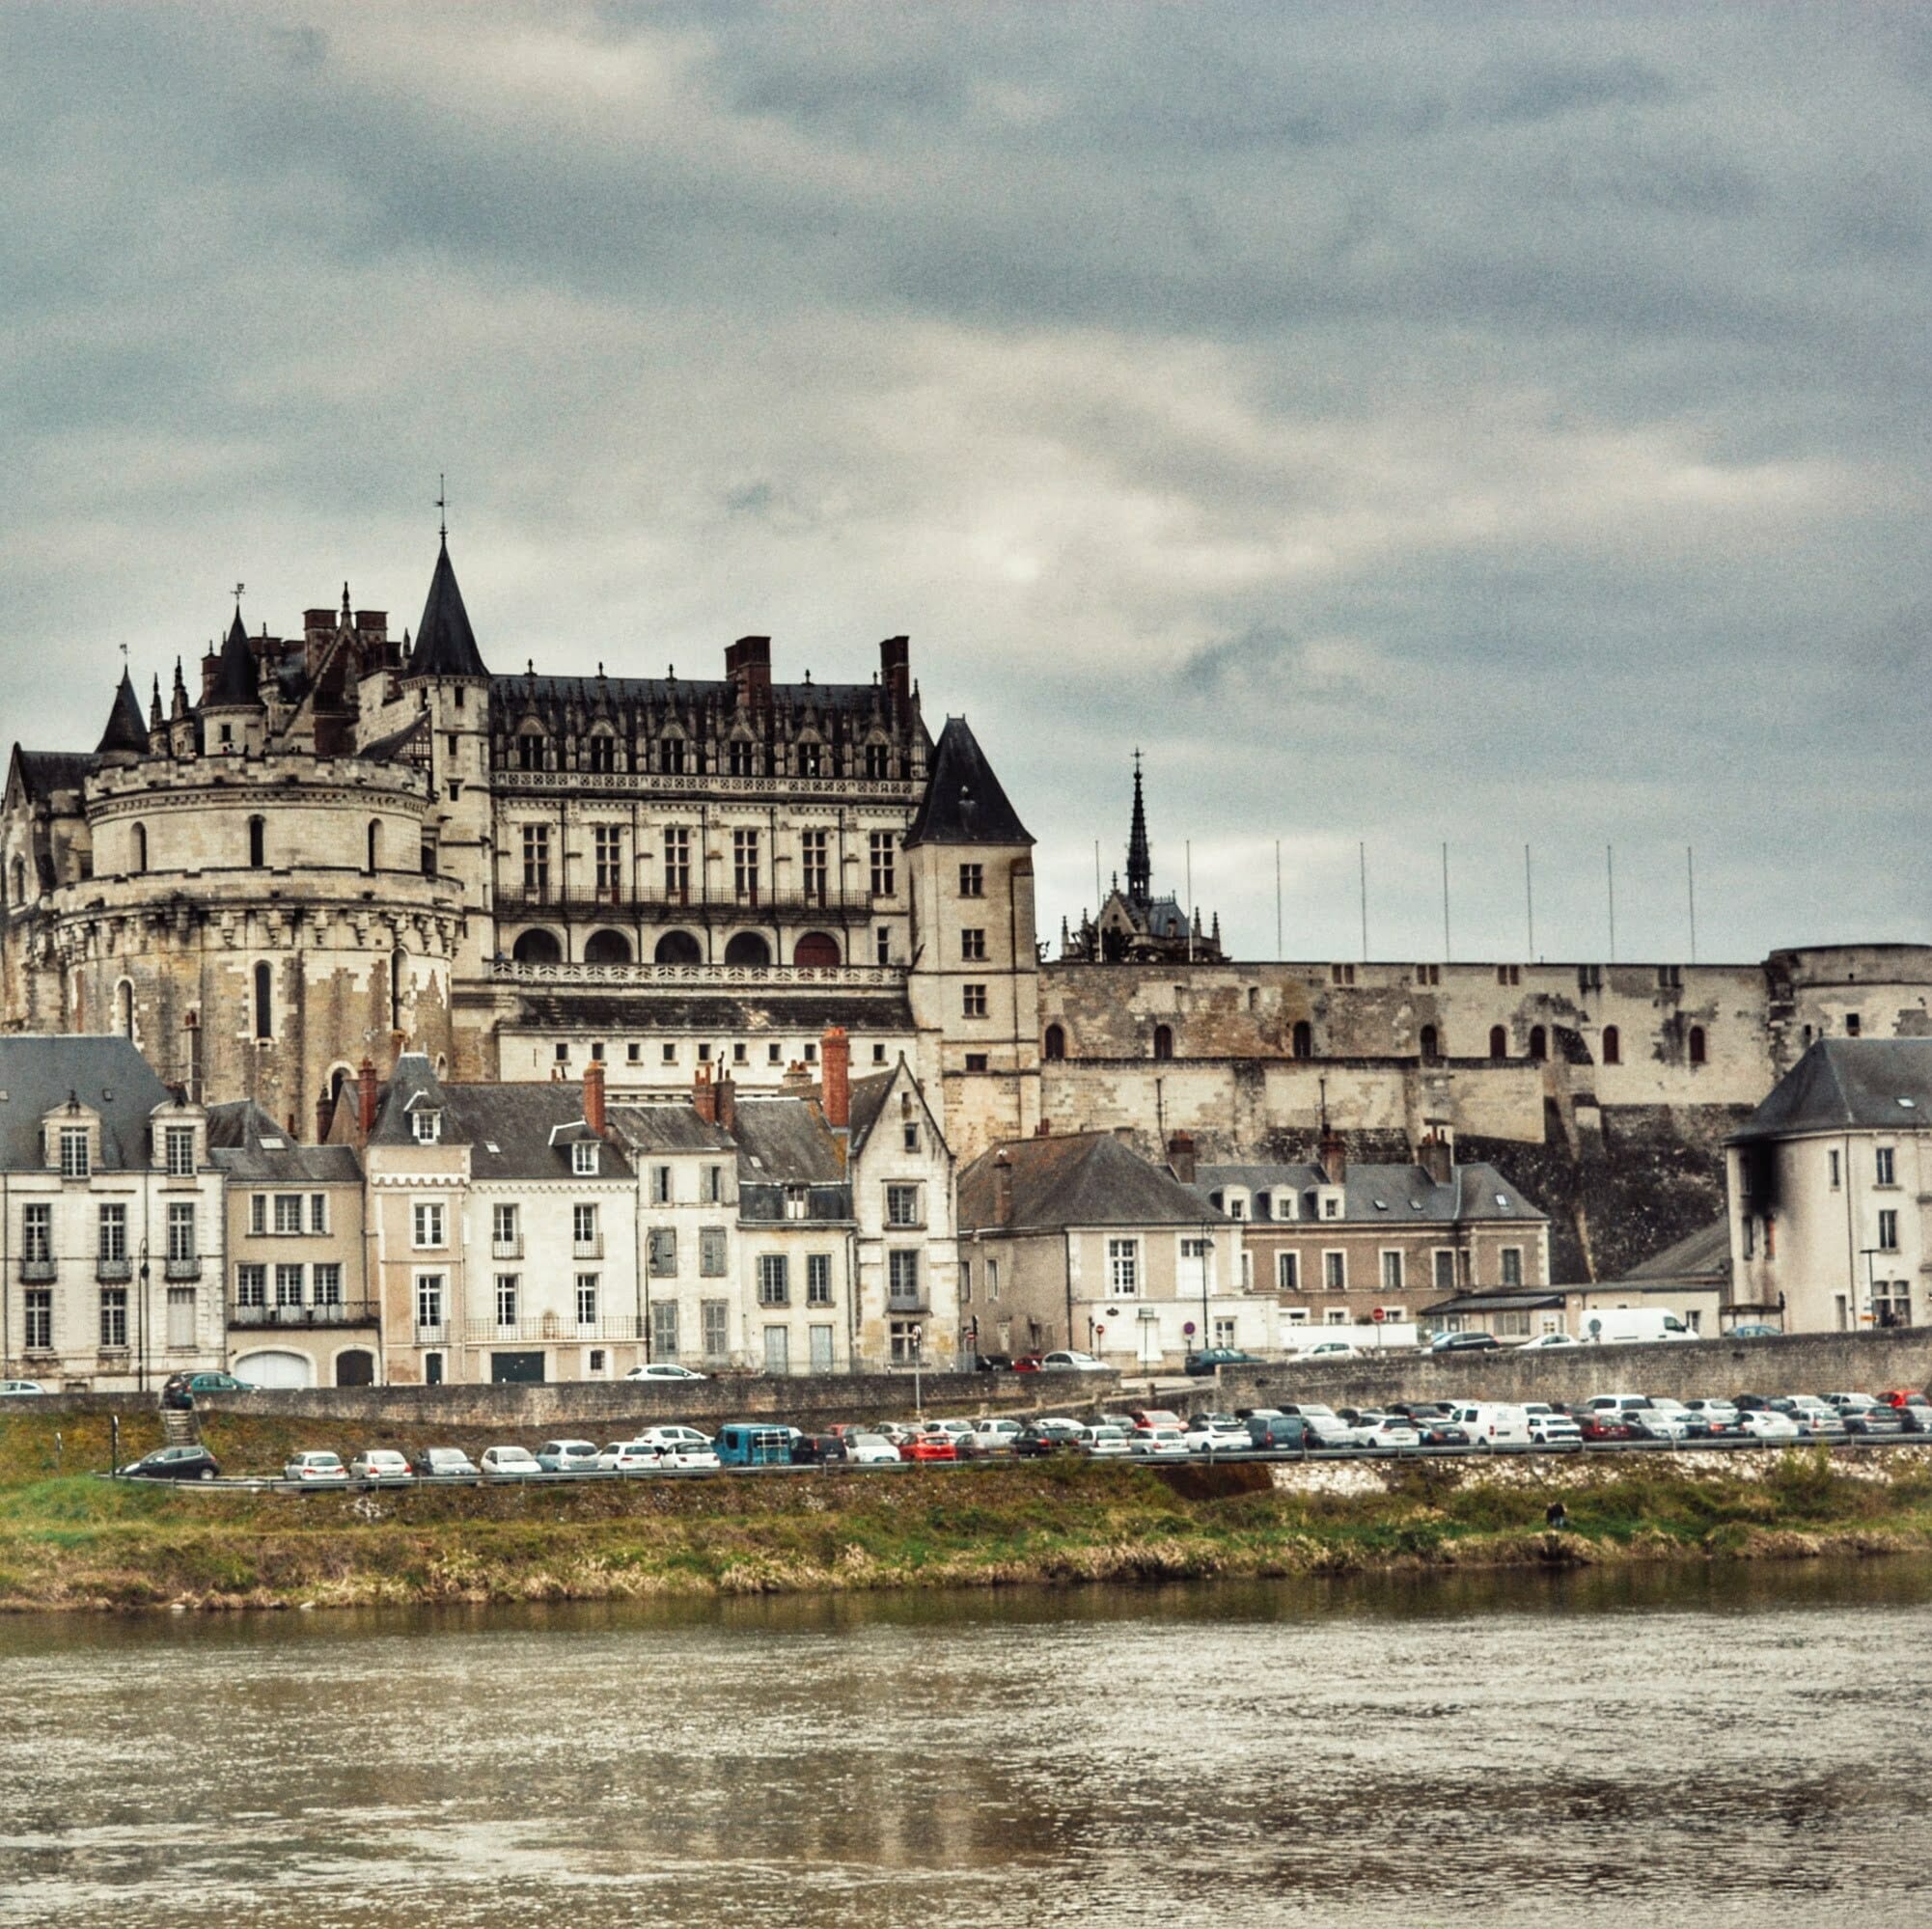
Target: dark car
{"points": [[818, 1450], [1038, 1439], [179, 1389], [1464, 1342], [173, 1463], [1202, 1364], [1436, 1432], [1751, 1403], [992, 1363], [1876, 1423], [1282, 1432], [1603, 1423]]}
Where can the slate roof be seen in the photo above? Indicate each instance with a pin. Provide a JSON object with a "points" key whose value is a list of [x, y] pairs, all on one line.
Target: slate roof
{"points": [[1384, 1195], [512, 697], [383, 748], [512, 1131], [963, 802], [668, 1128], [803, 1009], [1081, 1178], [786, 1141], [868, 1096], [1704, 1255], [1864, 1084], [125, 729], [36, 1075], [1530, 1299], [243, 1142], [237, 676], [42, 772], [444, 644]]}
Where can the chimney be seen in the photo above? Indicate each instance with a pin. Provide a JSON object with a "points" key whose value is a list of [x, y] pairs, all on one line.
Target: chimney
{"points": [[1334, 1155], [704, 1096], [727, 1093], [366, 1099], [325, 1116], [1003, 1188], [835, 1072], [748, 665], [1044, 1129], [1180, 1157], [593, 1096], [210, 666], [896, 669], [1436, 1155]]}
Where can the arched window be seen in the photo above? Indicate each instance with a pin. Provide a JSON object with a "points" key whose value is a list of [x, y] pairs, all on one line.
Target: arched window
{"points": [[258, 841], [748, 947], [1430, 1050], [1540, 1043], [537, 947], [124, 1009], [607, 948], [1055, 1045], [1697, 1044], [373, 857], [140, 847], [1612, 1046], [815, 947], [1303, 1039], [1163, 1043], [265, 1027], [1498, 1042], [678, 947]]}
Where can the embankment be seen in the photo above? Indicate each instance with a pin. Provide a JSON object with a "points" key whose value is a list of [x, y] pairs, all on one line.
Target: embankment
{"points": [[71, 1540]]}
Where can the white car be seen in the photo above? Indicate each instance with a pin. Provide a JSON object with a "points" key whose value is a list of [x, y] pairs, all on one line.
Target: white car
{"points": [[1721, 1411], [1069, 1360], [1387, 1430], [1164, 1443], [996, 1436], [1548, 1339], [871, 1449], [663, 1370], [1107, 1443], [675, 1435], [314, 1467], [1216, 1433], [1550, 1428], [954, 1430], [630, 1456], [379, 1463], [9, 1388], [1328, 1349], [1850, 1404], [568, 1456], [510, 1463], [686, 1457], [1762, 1424]]}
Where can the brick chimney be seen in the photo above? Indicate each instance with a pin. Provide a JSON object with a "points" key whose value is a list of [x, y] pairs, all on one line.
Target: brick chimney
{"points": [[365, 1117], [835, 1072], [1003, 1188], [593, 1096], [1180, 1157], [1334, 1155], [896, 669], [726, 1094], [1436, 1156], [704, 1096], [325, 1116], [748, 665]]}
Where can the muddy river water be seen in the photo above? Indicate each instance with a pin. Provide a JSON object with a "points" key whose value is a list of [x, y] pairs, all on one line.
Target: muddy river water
{"points": [[1692, 1748]]}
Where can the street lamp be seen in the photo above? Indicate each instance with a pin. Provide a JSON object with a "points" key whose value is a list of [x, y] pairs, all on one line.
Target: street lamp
{"points": [[1205, 1249]]}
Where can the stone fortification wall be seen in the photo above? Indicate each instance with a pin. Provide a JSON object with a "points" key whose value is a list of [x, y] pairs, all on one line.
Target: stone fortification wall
{"points": [[1683, 1369]]}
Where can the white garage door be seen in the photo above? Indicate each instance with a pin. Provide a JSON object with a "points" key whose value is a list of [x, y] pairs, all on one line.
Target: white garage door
{"points": [[276, 1369]]}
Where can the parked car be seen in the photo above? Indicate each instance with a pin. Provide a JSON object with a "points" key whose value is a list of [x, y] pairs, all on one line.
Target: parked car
{"points": [[568, 1456], [663, 1370], [179, 1389], [1814, 1418], [1279, 1431], [1766, 1423], [1326, 1349], [1550, 1428], [1655, 1423], [996, 1436], [1388, 1431], [628, 1456], [1160, 1442], [818, 1450], [1217, 1433], [1715, 1413], [443, 1463], [1143, 1419], [510, 1463], [1601, 1423], [1905, 1397], [1464, 1342], [929, 1446], [1439, 1432], [173, 1463], [19, 1388], [379, 1463], [1917, 1419], [753, 1444], [1040, 1437], [1202, 1364], [871, 1449], [1106, 1443], [1027, 1362], [1754, 1330], [992, 1363], [675, 1435], [1543, 1340], [1070, 1360], [315, 1465], [1849, 1403], [1877, 1422]]}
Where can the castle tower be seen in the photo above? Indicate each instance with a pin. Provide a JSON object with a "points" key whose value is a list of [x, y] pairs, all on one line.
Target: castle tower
{"points": [[1140, 857], [234, 718], [125, 740], [974, 983]]}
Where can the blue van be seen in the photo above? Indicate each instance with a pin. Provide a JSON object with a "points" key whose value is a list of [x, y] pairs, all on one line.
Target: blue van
{"points": [[753, 1443]]}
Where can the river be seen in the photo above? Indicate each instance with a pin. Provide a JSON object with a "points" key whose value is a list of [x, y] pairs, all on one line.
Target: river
{"points": [[1696, 1746]]}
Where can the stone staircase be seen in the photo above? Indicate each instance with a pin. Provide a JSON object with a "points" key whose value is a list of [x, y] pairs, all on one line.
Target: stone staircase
{"points": [[178, 1428]]}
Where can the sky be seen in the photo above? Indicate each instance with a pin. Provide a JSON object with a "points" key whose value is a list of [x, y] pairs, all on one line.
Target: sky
{"points": [[1500, 428]]}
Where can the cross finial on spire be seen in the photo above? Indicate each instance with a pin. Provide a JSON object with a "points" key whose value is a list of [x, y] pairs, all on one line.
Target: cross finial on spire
{"points": [[442, 506], [235, 593], [124, 656]]}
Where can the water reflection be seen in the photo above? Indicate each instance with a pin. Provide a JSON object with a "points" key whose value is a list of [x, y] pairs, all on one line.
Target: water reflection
{"points": [[1557, 1749]]}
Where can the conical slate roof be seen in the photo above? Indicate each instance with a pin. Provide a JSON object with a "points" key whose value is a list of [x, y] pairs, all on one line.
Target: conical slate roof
{"points": [[1140, 859], [124, 728], [444, 644], [237, 680], [963, 802]]}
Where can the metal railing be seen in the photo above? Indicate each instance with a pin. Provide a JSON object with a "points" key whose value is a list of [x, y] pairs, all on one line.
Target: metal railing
{"points": [[41, 1266], [553, 1327], [333, 1312], [700, 976], [505, 1249], [182, 1266], [113, 1269]]}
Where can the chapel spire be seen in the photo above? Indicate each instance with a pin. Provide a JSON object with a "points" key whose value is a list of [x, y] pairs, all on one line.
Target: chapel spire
{"points": [[1140, 860]]}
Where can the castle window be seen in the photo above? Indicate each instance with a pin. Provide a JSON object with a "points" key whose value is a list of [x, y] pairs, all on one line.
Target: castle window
{"points": [[429, 857], [678, 947], [140, 847], [530, 751], [1540, 1043], [1163, 1041], [372, 858], [537, 947], [810, 759], [811, 855], [1612, 1046], [1303, 1039], [607, 948], [1055, 1045], [536, 861], [263, 1011], [972, 880], [678, 867], [674, 756], [1697, 1044], [257, 835], [883, 880], [745, 866], [124, 1009], [1431, 1044], [747, 947], [603, 755], [879, 762], [398, 959], [607, 856], [973, 1000], [1498, 1042], [738, 757]]}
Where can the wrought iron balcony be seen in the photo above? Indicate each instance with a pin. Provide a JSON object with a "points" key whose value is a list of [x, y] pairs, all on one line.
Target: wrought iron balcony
{"points": [[40, 1266], [552, 1327], [337, 1312], [113, 1269], [182, 1266]]}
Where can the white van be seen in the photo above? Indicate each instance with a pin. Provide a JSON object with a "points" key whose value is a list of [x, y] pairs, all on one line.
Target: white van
{"points": [[1625, 1325], [1492, 1425]]}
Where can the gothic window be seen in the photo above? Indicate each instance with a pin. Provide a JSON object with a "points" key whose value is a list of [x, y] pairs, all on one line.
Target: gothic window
{"points": [[140, 847], [258, 837], [1498, 1042], [1055, 1045], [1431, 1044], [530, 751], [810, 759], [811, 850], [263, 1011], [607, 854], [1163, 1041], [1697, 1044], [745, 866], [537, 860], [124, 1009], [676, 865], [879, 762], [1612, 1046], [674, 756], [603, 755], [1303, 1039], [738, 757], [884, 879], [1540, 1043]]}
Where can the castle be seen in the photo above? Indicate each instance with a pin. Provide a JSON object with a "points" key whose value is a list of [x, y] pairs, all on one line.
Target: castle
{"points": [[347, 844]]}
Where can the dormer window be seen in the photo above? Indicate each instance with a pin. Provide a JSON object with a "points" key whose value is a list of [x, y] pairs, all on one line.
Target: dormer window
{"points": [[584, 1160], [1331, 1208], [177, 1145], [75, 1153], [428, 1127]]}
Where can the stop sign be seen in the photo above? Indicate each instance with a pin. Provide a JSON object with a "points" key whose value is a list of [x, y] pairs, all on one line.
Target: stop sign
{"points": [[1099, 1328], [1376, 1315]]}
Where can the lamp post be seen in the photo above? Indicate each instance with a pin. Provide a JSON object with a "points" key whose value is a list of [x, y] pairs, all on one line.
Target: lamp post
{"points": [[1206, 1326], [917, 1345], [1870, 1287]]}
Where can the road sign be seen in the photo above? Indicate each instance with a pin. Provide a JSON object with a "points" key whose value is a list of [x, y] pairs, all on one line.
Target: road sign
{"points": [[1377, 1315]]}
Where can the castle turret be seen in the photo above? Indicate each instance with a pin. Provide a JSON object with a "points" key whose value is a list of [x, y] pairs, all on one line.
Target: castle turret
{"points": [[234, 718], [125, 740]]}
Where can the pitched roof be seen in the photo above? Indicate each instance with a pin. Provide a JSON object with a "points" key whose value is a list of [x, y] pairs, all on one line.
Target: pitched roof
{"points": [[126, 729], [512, 1131], [1870, 1084], [237, 676], [38, 1073], [785, 1140], [248, 1144], [1705, 1254], [444, 644], [963, 802], [668, 1128], [1082, 1179], [803, 1009], [42, 772], [1386, 1194]]}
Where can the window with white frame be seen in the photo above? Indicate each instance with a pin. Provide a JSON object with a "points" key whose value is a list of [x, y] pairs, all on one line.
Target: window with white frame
{"points": [[884, 876], [664, 1330], [1888, 1230], [1295, 1315], [1391, 1272], [257, 1214], [113, 1231], [713, 1191], [1224, 1332], [660, 1185], [902, 1276], [75, 1163], [287, 1212], [325, 1280], [1288, 1271], [427, 1226], [506, 1285], [181, 1241], [37, 1234], [818, 1279], [774, 1284], [288, 1285], [712, 1252], [663, 1251], [1335, 1315], [583, 1227], [992, 1280], [113, 1318], [178, 1144], [584, 1159], [428, 1126], [1886, 1173], [903, 1206], [1512, 1265], [251, 1286], [1123, 1266], [428, 1303], [503, 1231], [37, 1333], [714, 1319], [1335, 1271], [1331, 1208], [318, 1212], [586, 1299]]}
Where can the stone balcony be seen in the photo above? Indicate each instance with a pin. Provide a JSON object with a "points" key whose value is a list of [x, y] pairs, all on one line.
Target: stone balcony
{"points": [[750, 978]]}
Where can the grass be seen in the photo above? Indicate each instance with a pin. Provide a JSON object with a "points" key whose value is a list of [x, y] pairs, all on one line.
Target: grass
{"points": [[71, 1540]]}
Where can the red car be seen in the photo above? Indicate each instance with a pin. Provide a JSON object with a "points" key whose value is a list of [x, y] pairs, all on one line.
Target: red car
{"points": [[1147, 1418], [1904, 1397], [1027, 1362], [928, 1446], [1595, 1426]]}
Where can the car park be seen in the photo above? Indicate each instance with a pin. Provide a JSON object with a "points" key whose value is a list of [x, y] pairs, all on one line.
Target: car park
{"points": [[382, 1465], [443, 1463], [173, 1463], [314, 1467], [509, 1463], [663, 1370], [19, 1388], [568, 1456]]}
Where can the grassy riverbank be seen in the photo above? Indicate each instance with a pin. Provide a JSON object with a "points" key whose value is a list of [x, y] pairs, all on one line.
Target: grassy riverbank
{"points": [[71, 1540]]}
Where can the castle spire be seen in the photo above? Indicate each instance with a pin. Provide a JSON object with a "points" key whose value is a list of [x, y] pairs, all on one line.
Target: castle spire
{"points": [[1140, 860]]}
